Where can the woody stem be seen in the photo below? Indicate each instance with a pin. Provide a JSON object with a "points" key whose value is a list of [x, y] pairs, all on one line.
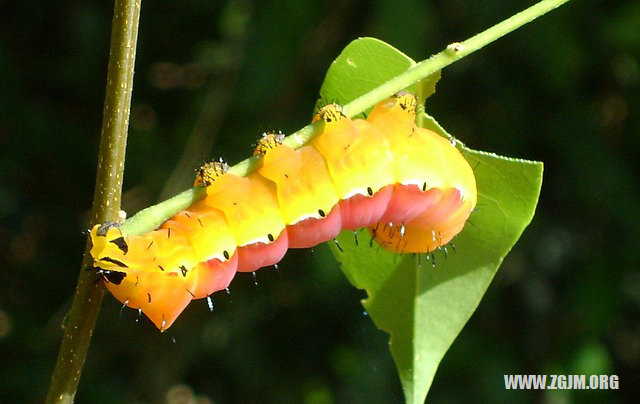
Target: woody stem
{"points": [[80, 320]]}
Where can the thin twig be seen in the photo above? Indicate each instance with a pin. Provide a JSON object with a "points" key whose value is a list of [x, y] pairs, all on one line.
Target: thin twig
{"points": [[151, 217], [81, 318]]}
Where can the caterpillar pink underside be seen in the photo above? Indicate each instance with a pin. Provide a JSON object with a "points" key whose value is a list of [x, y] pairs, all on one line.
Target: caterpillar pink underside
{"points": [[409, 186]]}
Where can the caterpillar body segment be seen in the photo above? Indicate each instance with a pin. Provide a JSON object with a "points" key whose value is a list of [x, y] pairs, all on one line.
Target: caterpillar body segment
{"points": [[409, 186], [245, 202], [362, 210], [357, 154], [263, 254], [302, 193], [442, 219]]}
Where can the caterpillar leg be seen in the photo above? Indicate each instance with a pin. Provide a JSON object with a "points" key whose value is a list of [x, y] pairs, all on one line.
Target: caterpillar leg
{"points": [[433, 228]]}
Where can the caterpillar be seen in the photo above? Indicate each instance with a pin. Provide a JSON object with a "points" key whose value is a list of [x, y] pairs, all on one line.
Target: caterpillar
{"points": [[409, 186]]}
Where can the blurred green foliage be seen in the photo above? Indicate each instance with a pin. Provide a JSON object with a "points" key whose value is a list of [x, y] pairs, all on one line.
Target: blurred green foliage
{"points": [[213, 75]]}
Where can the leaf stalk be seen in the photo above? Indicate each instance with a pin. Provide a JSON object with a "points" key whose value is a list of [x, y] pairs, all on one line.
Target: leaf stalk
{"points": [[151, 217]]}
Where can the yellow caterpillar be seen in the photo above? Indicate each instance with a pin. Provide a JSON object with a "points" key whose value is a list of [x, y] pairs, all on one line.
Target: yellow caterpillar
{"points": [[408, 185]]}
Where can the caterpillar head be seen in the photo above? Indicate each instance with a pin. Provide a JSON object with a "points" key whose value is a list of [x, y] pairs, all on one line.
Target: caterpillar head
{"points": [[111, 276], [109, 249]]}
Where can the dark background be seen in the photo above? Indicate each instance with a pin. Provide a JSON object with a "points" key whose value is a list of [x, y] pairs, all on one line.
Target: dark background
{"points": [[211, 76]]}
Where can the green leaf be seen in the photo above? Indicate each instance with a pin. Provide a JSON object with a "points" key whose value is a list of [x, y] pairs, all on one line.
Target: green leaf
{"points": [[424, 307], [363, 65]]}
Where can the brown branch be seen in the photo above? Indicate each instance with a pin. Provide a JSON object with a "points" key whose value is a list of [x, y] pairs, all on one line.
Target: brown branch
{"points": [[81, 318]]}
